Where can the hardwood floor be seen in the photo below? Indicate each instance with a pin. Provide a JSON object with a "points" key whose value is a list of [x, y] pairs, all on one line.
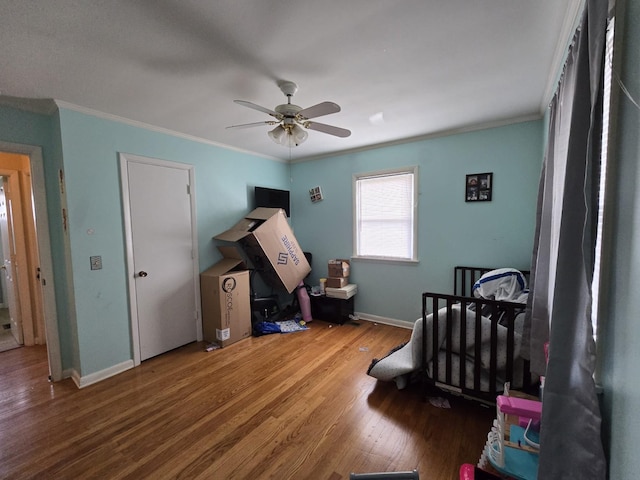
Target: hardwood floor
{"points": [[284, 406]]}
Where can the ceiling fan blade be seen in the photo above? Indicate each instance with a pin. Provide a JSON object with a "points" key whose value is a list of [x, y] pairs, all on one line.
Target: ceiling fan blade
{"points": [[254, 124], [258, 107], [330, 129], [324, 108]]}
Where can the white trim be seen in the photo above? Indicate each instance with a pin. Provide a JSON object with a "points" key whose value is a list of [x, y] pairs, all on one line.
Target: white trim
{"points": [[86, 380], [419, 138], [153, 128], [43, 106], [44, 253], [571, 20], [398, 261], [412, 170], [125, 159], [128, 234], [384, 320], [196, 256]]}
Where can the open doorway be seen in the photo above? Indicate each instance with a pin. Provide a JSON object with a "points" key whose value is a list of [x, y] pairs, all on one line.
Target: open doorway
{"points": [[19, 254], [25, 264], [11, 334]]}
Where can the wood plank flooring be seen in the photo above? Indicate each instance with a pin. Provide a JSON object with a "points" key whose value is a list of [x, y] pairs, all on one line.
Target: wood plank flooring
{"points": [[296, 406]]}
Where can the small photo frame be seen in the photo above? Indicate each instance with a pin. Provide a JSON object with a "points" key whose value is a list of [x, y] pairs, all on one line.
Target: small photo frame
{"points": [[315, 194], [478, 187]]}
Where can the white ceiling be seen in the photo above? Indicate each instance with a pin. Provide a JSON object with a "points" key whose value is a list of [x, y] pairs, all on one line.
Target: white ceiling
{"points": [[399, 69]]}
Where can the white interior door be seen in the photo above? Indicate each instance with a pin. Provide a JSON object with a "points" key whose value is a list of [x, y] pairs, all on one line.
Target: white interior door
{"points": [[8, 264], [163, 257]]}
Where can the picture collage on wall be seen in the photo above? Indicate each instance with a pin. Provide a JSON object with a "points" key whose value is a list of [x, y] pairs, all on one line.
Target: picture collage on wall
{"points": [[478, 187]]}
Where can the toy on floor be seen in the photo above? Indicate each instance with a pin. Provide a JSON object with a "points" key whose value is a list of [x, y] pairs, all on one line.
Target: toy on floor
{"points": [[512, 447], [471, 472]]}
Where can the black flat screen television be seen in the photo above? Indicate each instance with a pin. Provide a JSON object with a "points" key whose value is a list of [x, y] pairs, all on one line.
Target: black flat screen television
{"points": [[272, 198]]}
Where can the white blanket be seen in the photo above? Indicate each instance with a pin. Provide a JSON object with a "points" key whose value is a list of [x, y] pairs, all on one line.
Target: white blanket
{"points": [[407, 358], [397, 365]]}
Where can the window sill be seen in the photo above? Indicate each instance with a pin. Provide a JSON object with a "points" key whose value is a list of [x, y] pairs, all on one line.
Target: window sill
{"points": [[386, 260]]}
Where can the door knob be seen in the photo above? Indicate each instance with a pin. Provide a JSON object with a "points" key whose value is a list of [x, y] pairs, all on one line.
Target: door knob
{"points": [[142, 273]]}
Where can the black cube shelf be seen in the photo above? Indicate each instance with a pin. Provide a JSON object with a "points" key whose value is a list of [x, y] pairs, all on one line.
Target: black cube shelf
{"points": [[329, 309]]}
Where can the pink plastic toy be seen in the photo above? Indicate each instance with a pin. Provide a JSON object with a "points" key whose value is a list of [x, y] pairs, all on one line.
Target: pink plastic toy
{"points": [[305, 302], [531, 409]]}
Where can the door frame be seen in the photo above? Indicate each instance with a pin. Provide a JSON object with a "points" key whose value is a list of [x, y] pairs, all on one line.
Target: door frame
{"points": [[125, 159], [17, 246], [47, 283]]}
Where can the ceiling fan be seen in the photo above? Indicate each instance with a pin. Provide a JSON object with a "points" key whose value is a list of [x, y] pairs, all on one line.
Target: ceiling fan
{"points": [[291, 120]]}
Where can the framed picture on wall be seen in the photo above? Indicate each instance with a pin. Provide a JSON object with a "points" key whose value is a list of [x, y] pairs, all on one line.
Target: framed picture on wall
{"points": [[478, 187]]}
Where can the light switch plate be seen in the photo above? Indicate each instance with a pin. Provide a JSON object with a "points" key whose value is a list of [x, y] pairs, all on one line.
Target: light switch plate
{"points": [[96, 262]]}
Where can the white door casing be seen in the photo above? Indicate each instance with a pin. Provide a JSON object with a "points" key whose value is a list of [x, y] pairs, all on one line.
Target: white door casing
{"points": [[162, 260], [45, 274]]}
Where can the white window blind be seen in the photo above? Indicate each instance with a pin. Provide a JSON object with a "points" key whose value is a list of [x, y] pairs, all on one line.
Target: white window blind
{"points": [[385, 215], [608, 78]]}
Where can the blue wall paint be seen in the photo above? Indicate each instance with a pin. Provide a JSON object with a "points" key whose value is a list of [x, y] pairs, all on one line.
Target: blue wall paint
{"points": [[90, 145], [451, 231], [33, 129], [620, 326], [93, 305]]}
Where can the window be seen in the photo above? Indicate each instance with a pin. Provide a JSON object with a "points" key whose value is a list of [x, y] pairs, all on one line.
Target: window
{"points": [[385, 213], [608, 78]]}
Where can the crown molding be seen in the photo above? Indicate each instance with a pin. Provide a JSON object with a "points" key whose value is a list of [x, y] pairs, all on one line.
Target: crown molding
{"points": [[153, 128]]}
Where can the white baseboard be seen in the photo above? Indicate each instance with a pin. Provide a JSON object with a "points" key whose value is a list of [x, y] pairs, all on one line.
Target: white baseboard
{"points": [[384, 320], [84, 381]]}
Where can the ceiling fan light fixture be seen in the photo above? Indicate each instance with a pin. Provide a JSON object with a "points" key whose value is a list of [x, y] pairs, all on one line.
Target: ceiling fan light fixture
{"points": [[292, 120], [277, 134], [288, 135], [298, 134]]}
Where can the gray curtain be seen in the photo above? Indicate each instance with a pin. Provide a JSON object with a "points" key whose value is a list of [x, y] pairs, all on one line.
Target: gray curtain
{"points": [[559, 310]]}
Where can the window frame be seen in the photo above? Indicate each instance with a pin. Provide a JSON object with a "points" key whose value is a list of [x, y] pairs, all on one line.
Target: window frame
{"points": [[410, 170]]}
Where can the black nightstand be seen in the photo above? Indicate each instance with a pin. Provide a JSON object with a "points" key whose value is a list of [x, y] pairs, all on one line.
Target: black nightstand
{"points": [[329, 309]]}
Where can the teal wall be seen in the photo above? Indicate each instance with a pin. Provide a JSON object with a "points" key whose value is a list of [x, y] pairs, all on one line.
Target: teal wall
{"points": [[620, 324], [223, 185], [43, 131], [93, 305], [451, 231]]}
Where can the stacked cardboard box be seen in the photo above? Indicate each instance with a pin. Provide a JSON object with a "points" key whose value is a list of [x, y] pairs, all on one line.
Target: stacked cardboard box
{"points": [[265, 238], [226, 311], [339, 270], [268, 241]]}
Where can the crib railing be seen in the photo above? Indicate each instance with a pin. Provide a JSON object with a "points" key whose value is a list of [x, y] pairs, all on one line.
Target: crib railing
{"points": [[442, 305]]}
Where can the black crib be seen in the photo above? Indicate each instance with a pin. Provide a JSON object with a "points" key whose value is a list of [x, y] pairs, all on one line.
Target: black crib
{"points": [[470, 374]]}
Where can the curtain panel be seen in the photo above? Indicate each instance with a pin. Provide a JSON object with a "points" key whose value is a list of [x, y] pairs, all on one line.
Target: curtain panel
{"points": [[559, 309]]}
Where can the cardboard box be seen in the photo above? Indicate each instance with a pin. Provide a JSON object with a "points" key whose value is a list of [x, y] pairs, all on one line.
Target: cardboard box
{"points": [[269, 243], [339, 268], [225, 292], [336, 282]]}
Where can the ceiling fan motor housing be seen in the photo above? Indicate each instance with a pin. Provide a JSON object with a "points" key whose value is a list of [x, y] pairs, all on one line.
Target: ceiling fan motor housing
{"points": [[288, 88], [288, 110]]}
